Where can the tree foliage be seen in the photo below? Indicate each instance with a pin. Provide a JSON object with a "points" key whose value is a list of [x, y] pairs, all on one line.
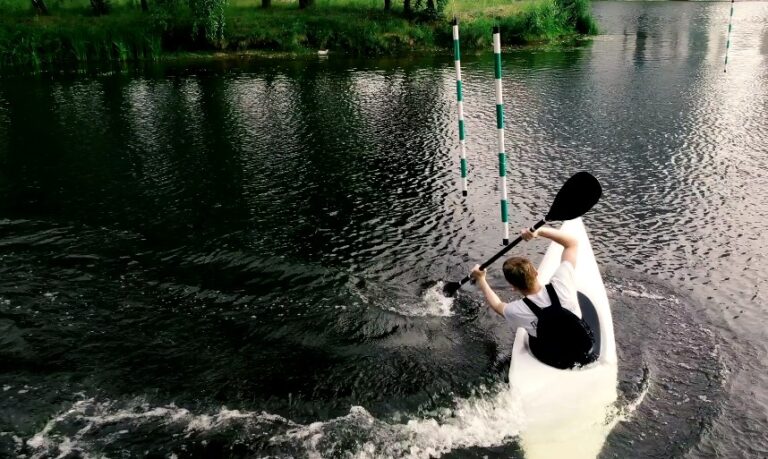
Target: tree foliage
{"points": [[427, 9], [40, 7], [208, 18], [579, 14], [100, 7]]}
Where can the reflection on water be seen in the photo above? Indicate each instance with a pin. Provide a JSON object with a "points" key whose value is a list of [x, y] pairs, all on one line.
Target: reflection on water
{"points": [[264, 235]]}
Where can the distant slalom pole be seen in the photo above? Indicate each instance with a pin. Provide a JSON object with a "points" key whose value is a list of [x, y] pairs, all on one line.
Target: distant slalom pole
{"points": [[728, 38], [460, 100], [500, 129]]}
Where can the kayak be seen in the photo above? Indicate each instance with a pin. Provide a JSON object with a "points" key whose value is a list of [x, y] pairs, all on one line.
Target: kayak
{"points": [[569, 413]]}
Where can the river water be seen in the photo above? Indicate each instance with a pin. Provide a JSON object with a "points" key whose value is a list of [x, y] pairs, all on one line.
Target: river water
{"points": [[235, 258]]}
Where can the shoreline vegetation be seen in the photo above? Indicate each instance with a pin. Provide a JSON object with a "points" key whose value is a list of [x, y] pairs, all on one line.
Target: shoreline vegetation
{"points": [[41, 33]]}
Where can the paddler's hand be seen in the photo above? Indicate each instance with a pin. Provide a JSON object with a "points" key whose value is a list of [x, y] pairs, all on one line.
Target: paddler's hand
{"points": [[477, 274], [527, 235]]}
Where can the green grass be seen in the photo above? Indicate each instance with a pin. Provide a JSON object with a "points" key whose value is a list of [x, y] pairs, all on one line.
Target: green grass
{"points": [[71, 33], [76, 38], [354, 30]]}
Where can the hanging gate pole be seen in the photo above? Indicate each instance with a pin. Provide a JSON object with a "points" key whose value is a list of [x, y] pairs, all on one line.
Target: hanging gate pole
{"points": [[460, 100], [500, 129], [728, 39]]}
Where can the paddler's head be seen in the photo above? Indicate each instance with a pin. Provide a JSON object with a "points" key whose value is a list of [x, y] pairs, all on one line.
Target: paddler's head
{"points": [[521, 274]]}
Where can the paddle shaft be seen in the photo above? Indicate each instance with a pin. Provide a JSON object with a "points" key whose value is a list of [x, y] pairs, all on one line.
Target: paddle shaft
{"points": [[501, 252], [575, 198]]}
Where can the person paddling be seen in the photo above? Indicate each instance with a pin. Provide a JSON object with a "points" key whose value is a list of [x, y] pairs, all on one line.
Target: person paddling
{"points": [[549, 313]]}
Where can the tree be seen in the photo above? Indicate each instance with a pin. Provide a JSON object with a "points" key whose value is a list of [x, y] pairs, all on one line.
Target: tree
{"points": [[209, 18], [100, 7], [266, 3], [305, 3], [427, 9], [40, 7], [387, 5], [407, 9], [144, 6]]}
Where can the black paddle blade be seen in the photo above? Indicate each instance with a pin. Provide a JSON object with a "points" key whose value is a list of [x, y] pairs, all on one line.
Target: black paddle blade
{"points": [[575, 198], [450, 288]]}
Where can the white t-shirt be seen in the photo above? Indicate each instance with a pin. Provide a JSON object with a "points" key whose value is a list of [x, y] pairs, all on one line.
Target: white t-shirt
{"points": [[518, 314]]}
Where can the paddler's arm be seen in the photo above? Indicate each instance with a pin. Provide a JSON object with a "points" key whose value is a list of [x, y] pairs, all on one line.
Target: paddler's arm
{"points": [[570, 244], [490, 296]]}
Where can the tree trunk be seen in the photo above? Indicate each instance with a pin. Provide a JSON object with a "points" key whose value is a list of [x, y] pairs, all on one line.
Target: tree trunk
{"points": [[407, 7], [431, 5], [266, 3], [100, 7], [40, 8], [387, 5], [144, 6], [305, 3]]}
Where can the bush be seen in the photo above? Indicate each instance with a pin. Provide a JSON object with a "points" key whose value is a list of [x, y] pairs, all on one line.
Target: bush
{"points": [[70, 34]]}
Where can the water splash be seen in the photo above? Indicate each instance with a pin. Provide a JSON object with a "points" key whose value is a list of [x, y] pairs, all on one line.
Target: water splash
{"points": [[490, 417], [431, 303], [435, 303]]}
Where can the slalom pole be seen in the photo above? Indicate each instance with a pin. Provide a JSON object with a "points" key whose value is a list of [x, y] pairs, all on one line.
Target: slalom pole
{"points": [[460, 100], [500, 128], [728, 39]]}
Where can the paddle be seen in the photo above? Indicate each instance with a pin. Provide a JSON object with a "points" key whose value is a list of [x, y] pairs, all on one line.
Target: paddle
{"points": [[575, 198]]}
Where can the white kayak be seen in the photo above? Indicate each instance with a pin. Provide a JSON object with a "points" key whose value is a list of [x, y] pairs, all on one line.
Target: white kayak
{"points": [[569, 413]]}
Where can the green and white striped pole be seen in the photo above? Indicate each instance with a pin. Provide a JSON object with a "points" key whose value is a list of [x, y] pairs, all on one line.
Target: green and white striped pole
{"points": [[728, 39], [500, 129], [460, 100]]}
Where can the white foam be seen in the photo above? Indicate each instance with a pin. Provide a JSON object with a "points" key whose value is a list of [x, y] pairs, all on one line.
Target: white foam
{"points": [[485, 421], [433, 303], [41, 439], [488, 418], [624, 413], [17, 440], [492, 418], [206, 422], [438, 303], [647, 295], [638, 291], [67, 447]]}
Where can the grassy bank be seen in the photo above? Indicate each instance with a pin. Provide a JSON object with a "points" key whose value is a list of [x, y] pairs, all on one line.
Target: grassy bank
{"points": [[72, 33]]}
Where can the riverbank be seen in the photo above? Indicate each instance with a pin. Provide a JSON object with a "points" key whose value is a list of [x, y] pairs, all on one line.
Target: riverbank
{"points": [[73, 33]]}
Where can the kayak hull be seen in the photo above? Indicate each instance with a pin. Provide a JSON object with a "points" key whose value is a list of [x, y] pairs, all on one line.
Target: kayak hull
{"points": [[568, 413]]}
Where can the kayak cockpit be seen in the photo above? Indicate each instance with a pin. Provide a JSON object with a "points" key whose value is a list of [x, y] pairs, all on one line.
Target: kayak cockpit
{"points": [[589, 315]]}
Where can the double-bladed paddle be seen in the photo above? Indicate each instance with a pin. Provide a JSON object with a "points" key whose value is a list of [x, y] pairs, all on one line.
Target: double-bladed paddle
{"points": [[575, 198]]}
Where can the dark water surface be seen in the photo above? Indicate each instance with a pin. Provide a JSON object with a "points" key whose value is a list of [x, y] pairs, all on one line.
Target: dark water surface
{"points": [[233, 259]]}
